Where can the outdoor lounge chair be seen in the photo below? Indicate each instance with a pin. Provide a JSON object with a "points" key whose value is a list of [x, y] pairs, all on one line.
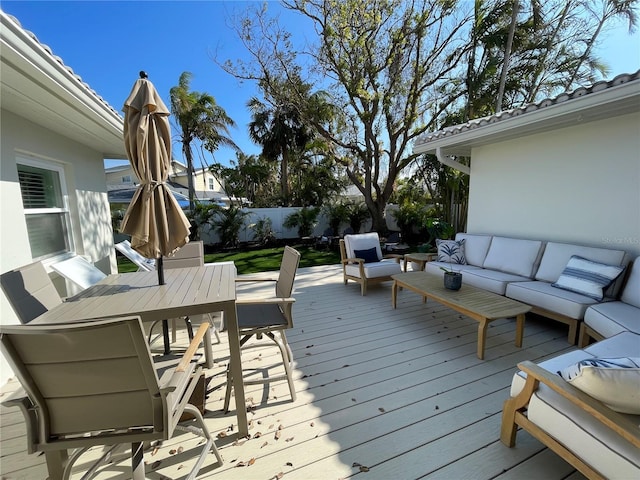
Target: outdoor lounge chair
{"points": [[264, 317], [363, 262], [79, 271], [30, 291], [144, 264], [95, 384]]}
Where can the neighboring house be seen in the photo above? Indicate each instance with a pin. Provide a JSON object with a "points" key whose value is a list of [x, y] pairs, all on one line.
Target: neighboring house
{"points": [[565, 169], [55, 134], [206, 184]]}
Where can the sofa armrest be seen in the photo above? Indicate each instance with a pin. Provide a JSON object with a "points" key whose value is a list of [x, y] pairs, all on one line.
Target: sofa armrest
{"points": [[609, 418]]}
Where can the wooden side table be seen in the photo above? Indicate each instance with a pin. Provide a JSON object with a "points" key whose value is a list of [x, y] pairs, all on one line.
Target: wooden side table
{"points": [[420, 258]]}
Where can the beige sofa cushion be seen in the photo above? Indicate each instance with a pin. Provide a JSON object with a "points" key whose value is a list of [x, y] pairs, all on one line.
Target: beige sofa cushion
{"points": [[513, 255]]}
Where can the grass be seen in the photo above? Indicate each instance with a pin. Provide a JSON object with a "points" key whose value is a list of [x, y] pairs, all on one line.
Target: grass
{"points": [[261, 260]]}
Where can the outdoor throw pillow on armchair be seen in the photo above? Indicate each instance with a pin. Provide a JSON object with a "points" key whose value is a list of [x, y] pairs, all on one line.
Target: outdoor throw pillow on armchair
{"points": [[369, 255]]}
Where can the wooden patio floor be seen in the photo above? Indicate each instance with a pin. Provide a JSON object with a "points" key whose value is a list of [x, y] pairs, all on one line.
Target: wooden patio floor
{"points": [[382, 394]]}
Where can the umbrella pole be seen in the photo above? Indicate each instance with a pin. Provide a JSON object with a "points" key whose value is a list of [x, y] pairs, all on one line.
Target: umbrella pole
{"points": [[165, 323], [160, 269]]}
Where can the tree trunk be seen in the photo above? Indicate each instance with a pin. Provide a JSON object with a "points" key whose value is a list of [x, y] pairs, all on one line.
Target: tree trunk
{"points": [[284, 177], [186, 148], [507, 54]]}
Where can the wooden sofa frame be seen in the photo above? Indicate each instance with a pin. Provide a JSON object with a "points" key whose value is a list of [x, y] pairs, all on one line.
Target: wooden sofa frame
{"points": [[514, 414]]}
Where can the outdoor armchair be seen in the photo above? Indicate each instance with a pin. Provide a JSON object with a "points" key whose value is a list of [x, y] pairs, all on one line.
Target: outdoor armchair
{"points": [[268, 317], [363, 262], [95, 384]]}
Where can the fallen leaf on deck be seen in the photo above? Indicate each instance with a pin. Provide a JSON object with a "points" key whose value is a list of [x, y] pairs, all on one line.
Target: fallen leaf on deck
{"points": [[180, 449], [155, 464], [240, 464], [264, 444], [221, 435], [311, 424], [309, 346], [381, 409], [252, 461], [277, 435], [279, 475], [437, 407], [172, 451], [239, 443], [257, 435], [290, 439], [155, 450], [289, 464], [353, 399]]}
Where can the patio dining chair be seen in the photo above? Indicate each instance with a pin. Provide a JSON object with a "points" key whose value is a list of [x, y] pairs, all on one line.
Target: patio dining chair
{"points": [[144, 264], [79, 271], [266, 317], [30, 291], [93, 384]]}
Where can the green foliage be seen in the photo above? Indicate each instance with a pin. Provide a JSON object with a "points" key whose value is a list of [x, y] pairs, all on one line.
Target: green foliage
{"points": [[200, 215], [305, 219], [228, 222], [254, 261], [336, 213], [357, 213], [263, 231]]}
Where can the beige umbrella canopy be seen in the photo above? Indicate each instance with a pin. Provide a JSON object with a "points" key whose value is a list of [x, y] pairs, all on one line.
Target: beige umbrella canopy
{"points": [[154, 219]]}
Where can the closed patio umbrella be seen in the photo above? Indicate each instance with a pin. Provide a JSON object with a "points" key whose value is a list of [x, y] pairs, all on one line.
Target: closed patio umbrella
{"points": [[154, 219]]}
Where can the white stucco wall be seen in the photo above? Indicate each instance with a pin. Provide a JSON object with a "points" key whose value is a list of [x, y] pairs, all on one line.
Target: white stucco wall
{"points": [[579, 184], [86, 188]]}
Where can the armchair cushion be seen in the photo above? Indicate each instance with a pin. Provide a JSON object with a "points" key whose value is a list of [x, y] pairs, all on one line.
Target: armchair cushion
{"points": [[613, 381], [587, 277], [369, 255], [451, 251], [363, 241]]}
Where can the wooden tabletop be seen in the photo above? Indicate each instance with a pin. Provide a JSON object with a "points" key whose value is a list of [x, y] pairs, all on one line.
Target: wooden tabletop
{"points": [[475, 302]]}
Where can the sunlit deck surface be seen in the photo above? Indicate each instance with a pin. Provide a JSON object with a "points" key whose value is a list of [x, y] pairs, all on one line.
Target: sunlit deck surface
{"points": [[382, 394]]}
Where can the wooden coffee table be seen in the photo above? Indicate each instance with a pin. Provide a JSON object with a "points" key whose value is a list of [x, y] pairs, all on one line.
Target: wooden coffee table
{"points": [[420, 258], [476, 303]]}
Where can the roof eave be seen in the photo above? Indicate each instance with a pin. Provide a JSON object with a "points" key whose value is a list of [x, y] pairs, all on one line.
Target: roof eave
{"points": [[38, 86], [607, 103]]}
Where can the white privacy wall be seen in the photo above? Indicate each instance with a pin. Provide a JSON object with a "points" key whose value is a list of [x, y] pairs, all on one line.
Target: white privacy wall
{"points": [[579, 184]]}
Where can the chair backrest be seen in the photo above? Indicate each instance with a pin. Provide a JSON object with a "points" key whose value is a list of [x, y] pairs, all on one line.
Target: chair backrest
{"points": [[189, 255], [86, 377], [79, 271], [362, 241], [288, 268], [30, 291], [143, 263]]}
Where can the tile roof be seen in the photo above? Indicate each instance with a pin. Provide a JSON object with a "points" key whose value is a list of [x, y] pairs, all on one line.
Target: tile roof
{"points": [[525, 109], [59, 60]]}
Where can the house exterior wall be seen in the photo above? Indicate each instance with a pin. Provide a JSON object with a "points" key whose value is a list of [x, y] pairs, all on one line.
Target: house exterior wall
{"points": [[87, 199], [116, 178], [578, 184]]}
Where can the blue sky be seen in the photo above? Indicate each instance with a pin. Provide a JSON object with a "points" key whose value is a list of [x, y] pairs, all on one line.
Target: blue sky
{"points": [[108, 42]]}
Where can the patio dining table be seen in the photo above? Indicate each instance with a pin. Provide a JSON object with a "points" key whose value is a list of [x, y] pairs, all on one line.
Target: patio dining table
{"points": [[186, 292]]}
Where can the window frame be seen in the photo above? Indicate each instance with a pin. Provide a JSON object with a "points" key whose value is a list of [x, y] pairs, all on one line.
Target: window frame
{"points": [[65, 210]]}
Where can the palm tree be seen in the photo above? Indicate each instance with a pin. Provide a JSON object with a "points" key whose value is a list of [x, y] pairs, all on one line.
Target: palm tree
{"points": [[199, 118], [280, 132], [610, 9]]}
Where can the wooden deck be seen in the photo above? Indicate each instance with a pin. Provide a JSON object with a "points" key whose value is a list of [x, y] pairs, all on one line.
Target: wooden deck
{"points": [[382, 394]]}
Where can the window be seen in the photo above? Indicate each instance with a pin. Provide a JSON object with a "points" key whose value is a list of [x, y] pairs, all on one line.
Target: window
{"points": [[45, 208], [211, 184], [126, 179]]}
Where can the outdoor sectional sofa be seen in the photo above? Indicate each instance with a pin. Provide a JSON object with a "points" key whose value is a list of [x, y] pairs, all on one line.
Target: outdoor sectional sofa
{"points": [[526, 270], [591, 419]]}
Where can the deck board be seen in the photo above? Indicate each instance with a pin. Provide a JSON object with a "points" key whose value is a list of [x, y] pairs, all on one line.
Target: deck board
{"points": [[400, 392]]}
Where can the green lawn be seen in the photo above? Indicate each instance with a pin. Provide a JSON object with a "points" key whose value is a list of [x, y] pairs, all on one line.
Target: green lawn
{"points": [[253, 261]]}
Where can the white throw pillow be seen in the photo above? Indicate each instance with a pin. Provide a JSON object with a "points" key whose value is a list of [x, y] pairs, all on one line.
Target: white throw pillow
{"points": [[587, 277], [613, 381], [451, 251]]}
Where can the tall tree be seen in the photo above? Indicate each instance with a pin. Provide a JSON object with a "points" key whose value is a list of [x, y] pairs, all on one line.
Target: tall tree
{"points": [[281, 133], [388, 64], [199, 118], [609, 9]]}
